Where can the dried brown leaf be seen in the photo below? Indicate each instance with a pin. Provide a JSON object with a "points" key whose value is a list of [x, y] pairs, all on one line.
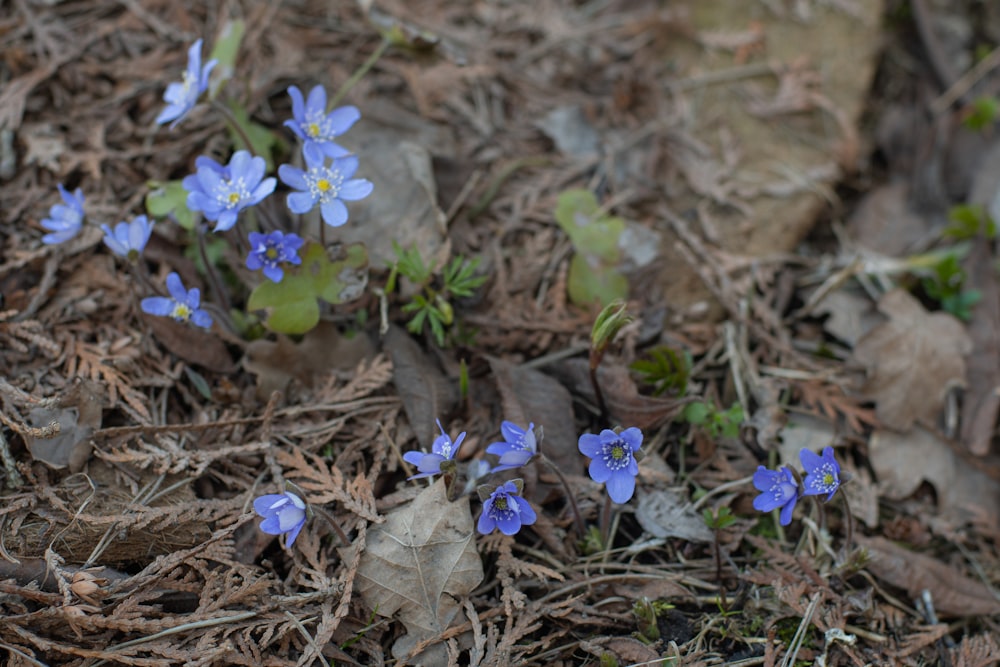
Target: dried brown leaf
{"points": [[418, 565], [193, 345], [425, 392], [953, 593], [982, 402], [913, 360]]}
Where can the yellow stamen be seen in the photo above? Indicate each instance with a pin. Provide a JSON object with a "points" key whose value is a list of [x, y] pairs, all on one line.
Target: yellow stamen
{"points": [[323, 184]]}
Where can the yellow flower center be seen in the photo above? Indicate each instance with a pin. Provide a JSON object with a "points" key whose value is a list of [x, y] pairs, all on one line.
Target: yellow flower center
{"points": [[181, 312], [500, 503], [312, 129], [234, 197], [828, 479], [271, 253], [618, 452], [323, 184]]}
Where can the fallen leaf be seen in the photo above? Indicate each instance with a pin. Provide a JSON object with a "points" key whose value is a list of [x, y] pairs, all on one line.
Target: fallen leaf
{"points": [[912, 360], [529, 395], [79, 414], [193, 345], [668, 513], [423, 388], [953, 593], [418, 565], [571, 132], [982, 400], [851, 315], [277, 362], [902, 461]]}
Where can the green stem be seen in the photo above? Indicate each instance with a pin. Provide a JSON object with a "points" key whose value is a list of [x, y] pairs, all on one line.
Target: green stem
{"points": [[360, 72], [577, 517]]}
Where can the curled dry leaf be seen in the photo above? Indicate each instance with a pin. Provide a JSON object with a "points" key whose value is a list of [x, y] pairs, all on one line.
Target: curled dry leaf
{"points": [[79, 415], [902, 461], [953, 593], [418, 565], [912, 360]]}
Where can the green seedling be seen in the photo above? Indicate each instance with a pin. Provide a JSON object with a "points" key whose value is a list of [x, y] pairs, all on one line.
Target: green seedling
{"points": [[594, 273], [645, 618], [431, 306], [666, 369], [967, 221], [716, 423], [982, 114], [946, 286]]}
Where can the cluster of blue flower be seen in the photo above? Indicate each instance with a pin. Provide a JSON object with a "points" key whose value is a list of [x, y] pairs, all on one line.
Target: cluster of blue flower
{"points": [[221, 192], [780, 489], [612, 463]]}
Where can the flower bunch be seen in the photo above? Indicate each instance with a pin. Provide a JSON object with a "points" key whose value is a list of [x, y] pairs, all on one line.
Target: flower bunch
{"points": [[781, 490]]}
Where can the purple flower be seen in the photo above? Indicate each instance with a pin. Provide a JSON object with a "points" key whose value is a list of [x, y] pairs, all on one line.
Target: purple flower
{"points": [[182, 305], [518, 448], [64, 220], [315, 126], [822, 473], [128, 239], [504, 509], [181, 97], [268, 251], [284, 514], [613, 460], [778, 490], [442, 450], [222, 192], [328, 186]]}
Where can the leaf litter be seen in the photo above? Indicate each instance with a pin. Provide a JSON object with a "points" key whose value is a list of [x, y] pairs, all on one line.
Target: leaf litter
{"points": [[132, 448]]}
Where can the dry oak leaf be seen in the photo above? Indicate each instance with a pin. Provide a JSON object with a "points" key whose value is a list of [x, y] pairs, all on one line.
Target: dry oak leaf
{"points": [[418, 566], [912, 360]]}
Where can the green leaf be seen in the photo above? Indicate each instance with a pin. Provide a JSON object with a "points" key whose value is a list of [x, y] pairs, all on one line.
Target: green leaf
{"points": [[227, 47], [263, 141], [591, 231], [601, 283], [169, 198], [292, 304], [983, 113], [697, 413]]}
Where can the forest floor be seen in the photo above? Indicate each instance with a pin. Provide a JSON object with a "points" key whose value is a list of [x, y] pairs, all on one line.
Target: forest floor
{"points": [[791, 200]]}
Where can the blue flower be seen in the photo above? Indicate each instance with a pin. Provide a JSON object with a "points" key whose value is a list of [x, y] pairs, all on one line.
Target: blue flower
{"points": [[222, 192], [268, 251], [128, 239], [181, 97], [325, 185], [64, 220], [442, 450], [613, 460], [284, 514], [504, 509], [314, 125], [182, 305], [778, 490], [518, 448], [822, 473]]}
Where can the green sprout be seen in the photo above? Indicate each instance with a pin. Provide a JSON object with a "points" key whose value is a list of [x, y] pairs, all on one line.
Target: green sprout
{"points": [[967, 221], [982, 114], [945, 285], [706, 416], [431, 306], [666, 369]]}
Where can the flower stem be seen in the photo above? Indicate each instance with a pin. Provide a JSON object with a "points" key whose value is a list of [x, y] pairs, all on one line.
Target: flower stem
{"points": [[577, 517], [601, 405], [606, 522], [360, 72], [213, 278], [848, 525], [333, 524]]}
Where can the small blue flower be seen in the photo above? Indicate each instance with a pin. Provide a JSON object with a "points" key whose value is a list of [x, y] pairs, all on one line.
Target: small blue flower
{"points": [[778, 490], [328, 186], [506, 510], [181, 97], [613, 460], [65, 220], [284, 514], [518, 448], [222, 192], [182, 305], [269, 251], [314, 125], [822, 473], [442, 450], [128, 239]]}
